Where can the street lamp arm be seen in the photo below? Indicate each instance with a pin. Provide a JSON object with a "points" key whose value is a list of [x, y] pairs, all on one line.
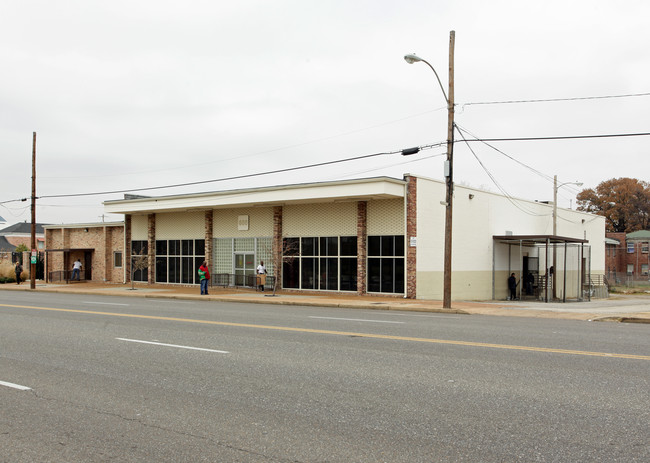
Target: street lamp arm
{"points": [[413, 58], [569, 183]]}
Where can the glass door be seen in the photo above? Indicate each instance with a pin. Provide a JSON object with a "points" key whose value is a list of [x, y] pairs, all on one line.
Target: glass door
{"points": [[244, 268]]}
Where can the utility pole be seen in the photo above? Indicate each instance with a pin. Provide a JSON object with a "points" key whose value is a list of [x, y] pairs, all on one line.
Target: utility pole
{"points": [[32, 267], [449, 177], [554, 234]]}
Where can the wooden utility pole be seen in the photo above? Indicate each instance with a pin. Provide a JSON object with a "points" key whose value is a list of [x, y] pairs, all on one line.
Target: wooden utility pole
{"points": [[449, 171], [32, 267]]}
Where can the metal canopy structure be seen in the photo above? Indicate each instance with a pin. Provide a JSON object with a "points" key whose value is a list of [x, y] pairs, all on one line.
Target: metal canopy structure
{"points": [[545, 242]]}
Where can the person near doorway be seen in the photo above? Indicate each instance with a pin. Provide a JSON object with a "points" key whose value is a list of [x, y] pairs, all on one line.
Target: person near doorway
{"points": [[204, 277], [261, 272], [530, 281], [18, 269], [76, 269], [512, 286]]}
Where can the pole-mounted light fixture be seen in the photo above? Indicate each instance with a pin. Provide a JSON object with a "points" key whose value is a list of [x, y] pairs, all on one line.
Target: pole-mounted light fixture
{"points": [[449, 179]]}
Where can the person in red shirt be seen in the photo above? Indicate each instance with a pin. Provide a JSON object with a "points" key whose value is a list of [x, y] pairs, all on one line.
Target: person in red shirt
{"points": [[204, 276]]}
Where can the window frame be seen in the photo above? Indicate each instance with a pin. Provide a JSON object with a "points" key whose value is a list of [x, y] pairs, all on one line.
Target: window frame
{"points": [[115, 259]]}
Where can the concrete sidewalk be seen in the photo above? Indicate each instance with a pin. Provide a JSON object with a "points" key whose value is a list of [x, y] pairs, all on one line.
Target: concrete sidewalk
{"points": [[622, 308]]}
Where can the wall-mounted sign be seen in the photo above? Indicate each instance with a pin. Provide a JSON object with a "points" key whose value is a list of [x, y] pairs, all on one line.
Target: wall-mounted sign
{"points": [[242, 222], [413, 241]]}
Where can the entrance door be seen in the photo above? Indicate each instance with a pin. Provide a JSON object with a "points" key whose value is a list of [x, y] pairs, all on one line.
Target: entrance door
{"points": [[88, 265], [244, 266]]}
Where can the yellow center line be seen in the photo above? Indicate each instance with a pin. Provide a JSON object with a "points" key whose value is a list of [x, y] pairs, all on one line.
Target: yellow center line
{"points": [[344, 333]]}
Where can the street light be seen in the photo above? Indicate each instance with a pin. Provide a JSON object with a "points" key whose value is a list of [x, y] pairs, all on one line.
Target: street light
{"points": [[555, 188], [449, 179]]}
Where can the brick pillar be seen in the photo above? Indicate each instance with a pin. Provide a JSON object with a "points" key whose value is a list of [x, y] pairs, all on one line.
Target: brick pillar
{"points": [[411, 232], [127, 248], [107, 254], [276, 245], [65, 238], [209, 218], [362, 248], [151, 248]]}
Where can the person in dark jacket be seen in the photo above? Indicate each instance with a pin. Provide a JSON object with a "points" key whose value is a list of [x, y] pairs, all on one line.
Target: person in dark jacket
{"points": [[512, 286], [18, 270]]}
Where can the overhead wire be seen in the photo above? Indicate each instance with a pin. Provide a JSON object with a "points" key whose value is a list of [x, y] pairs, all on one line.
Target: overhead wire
{"points": [[552, 100], [237, 177], [532, 169], [496, 182]]}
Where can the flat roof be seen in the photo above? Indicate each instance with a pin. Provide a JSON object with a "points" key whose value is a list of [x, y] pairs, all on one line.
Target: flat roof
{"points": [[322, 192], [84, 225], [532, 240]]}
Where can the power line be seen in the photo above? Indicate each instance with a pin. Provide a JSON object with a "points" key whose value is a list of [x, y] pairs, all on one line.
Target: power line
{"points": [[568, 137], [532, 169], [237, 177], [494, 180], [557, 99]]}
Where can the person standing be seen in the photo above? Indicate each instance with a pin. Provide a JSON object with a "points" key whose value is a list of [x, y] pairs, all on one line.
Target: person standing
{"points": [[18, 269], [261, 272], [512, 286], [76, 269], [204, 277]]}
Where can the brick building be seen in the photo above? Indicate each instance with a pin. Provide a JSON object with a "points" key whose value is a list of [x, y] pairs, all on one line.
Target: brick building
{"points": [[627, 257], [99, 246]]}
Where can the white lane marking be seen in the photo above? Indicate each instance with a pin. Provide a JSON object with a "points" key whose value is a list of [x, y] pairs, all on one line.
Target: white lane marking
{"points": [[173, 345], [15, 386], [104, 303], [434, 315], [358, 320]]}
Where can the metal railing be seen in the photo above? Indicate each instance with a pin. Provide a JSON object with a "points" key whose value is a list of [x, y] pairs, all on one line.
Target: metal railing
{"points": [[64, 275], [250, 281]]}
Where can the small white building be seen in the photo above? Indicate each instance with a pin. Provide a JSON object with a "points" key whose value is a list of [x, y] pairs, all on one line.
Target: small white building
{"points": [[368, 236]]}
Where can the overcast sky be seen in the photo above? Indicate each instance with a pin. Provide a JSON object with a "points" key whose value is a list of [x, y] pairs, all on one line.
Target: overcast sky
{"points": [[135, 94]]}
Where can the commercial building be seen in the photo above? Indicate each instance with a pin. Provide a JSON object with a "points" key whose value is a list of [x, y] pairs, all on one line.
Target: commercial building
{"points": [[369, 236]]}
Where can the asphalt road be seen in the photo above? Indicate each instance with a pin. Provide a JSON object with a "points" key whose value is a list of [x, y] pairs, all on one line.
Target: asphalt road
{"points": [[126, 379]]}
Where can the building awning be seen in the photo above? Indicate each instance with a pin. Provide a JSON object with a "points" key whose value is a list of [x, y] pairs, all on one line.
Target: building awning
{"points": [[534, 240]]}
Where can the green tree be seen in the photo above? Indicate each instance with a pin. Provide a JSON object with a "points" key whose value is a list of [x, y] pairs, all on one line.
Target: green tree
{"points": [[21, 248], [624, 202]]}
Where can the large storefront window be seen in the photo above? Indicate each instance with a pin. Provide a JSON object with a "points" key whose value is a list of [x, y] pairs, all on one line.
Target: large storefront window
{"points": [[177, 261], [386, 264], [320, 263]]}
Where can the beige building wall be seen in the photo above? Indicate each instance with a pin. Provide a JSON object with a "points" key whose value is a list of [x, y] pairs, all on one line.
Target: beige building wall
{"points": [[327, 219], [180, 225], [226, 222], [386, 217], [139, 227]]}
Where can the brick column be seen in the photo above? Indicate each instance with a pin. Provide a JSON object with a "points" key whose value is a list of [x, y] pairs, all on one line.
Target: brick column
{"points": [[127, 248], [151, 248], [108, 251], [411, 232], [276, 245], [362, 246], [209, 218]]}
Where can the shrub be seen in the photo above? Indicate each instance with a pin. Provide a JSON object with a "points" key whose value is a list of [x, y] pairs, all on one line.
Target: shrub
{"points": [[8, 272]]}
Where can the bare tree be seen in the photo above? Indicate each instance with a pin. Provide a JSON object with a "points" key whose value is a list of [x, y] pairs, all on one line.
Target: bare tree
{"points": [[138, 262]]}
